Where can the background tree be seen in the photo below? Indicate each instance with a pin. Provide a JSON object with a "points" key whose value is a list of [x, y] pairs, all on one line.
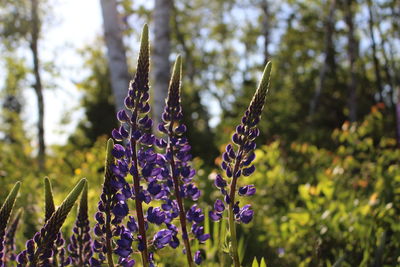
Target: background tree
{"points": [[160, 59], [352, 51], [34, 40], [98, 101], [22, 24], [116, 54]]}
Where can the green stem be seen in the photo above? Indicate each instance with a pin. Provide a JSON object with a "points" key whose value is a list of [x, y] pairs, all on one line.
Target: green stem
{"points": [[232, 223], [80, 246], [234, 244], [182, 213], [108, 236], [139, 207], [136, 187]]}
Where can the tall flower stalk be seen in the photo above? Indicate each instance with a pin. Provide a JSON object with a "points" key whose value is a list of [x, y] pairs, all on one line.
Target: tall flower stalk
{"points": [[237, 161], [138, 139], [58, 249], [178, 156], [172, 111], [9, 242], [39, 250], [136, 155], [5, 213], [80, 242], [103, 228]]}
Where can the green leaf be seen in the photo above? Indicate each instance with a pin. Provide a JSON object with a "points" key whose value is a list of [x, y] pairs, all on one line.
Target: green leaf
{"points": [[226, 246], [217, 233], [7, 207], [263, 263], [255, 263], [379, 253], [338, 263], [209, 245], [241, 249], [54, 224], [48, 198]]}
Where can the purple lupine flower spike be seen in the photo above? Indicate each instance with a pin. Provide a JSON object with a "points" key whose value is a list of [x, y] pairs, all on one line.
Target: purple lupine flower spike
{"points": [[39, 249], [181, 173], [237, 160], [5, 212], [59, 251], [137, 157], [80, 247], [106, 222], [9, 242], [50, 208]]}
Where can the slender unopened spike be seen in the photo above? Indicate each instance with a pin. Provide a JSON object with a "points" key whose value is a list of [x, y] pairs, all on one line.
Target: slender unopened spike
{"points": [[49, 200]]}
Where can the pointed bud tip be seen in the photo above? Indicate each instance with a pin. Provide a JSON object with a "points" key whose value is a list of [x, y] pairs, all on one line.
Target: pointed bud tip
{"points": [[264, 82], [47, 182], [110, 146], [110, 143], [145, 27], [85, 186], [176, 73], [15, 189], [17, 184], [178, 60], [145, 35], [75, 192]]}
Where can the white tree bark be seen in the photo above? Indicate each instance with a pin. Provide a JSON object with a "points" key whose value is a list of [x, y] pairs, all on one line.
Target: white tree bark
{"points": [[161, 51], [116, 54]]}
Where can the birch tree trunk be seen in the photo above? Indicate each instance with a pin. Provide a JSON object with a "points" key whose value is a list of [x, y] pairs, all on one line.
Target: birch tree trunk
{"points": [[38, 81], [116, 53], [352, 56], [161, 52]]}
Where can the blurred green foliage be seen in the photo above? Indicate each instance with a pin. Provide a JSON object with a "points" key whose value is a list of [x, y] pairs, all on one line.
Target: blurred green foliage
{"points": [[315, 206]]}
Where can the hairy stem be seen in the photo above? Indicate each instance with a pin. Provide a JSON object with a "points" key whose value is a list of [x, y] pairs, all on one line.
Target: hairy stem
{"points": [[139, 208], [80, 246], [232, 223], [178, 197], [108, 234], [234, 244]]}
